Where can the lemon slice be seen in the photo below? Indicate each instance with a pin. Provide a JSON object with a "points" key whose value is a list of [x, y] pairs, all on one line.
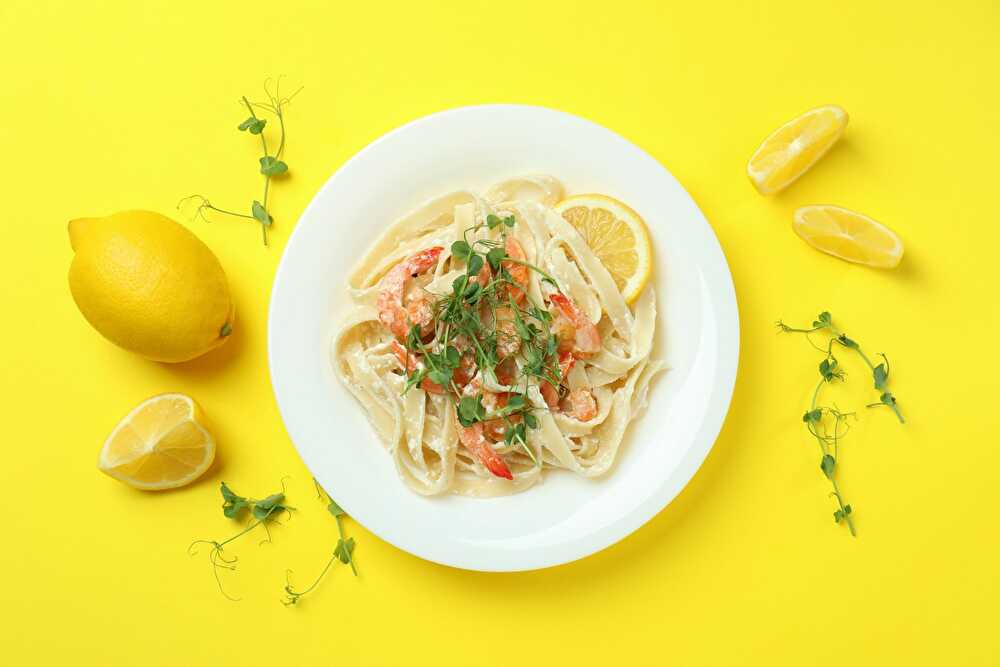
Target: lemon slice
{"points": [[789, 151], [161, 444], [848, 235], [617, 235]]}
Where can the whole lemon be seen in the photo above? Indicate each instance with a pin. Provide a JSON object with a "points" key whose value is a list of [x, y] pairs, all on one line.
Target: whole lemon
{"points": [[149, 285]]}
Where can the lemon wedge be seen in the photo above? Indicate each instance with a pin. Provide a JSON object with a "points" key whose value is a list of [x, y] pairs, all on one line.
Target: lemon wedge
{"points": [[848, 235], [789, 151], [161, 444], [617, 235]]}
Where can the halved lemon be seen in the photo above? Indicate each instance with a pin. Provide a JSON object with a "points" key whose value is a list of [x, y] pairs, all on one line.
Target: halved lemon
{"points": [[617, 235], [161, 444], [848, 235], [789, 151]]}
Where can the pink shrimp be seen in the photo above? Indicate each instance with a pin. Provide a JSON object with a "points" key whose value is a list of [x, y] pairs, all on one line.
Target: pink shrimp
{"points": [[484, 276], [472, 438], [549, 391], [586, 340], [506, 371], [466, 369], [398, 310], [495, 429], [411, 362], [580, 404], [519, 272]]}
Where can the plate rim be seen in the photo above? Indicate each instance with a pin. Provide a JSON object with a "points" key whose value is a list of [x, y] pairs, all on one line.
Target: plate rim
{"points": [[727, 348]]}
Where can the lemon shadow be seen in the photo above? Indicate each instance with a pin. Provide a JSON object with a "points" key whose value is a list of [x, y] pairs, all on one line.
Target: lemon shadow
{"points": [[213, 361]]}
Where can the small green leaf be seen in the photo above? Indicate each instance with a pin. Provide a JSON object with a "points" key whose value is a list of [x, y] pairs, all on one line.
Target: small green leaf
{"points": [[453, 357], [847, 509], [495, 256], [551, 345], [260, 213], [344, 550], [531, 420], [470, 410], [492, 221], [255, 125], [471, 292], [508, 435], [232, 504], [440, 377], [269, 506], [838, 515], [516, 402], [827, 465], [823, 320], [509, 221], [475, 264], [271, 166], [881, 376], [413, 340], [461, 250], [523, 332], [888, 399], [813, 415]]}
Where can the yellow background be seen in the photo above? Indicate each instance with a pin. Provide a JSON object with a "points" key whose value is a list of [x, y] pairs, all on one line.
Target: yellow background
{"points": [[107, 106]]}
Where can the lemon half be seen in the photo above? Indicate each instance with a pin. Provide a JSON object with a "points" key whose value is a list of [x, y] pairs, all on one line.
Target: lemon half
{"points": [[161, 444], [617, 235]]}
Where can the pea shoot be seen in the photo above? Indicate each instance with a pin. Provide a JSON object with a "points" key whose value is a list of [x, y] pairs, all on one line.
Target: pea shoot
{"points": [[343, 551], [828, 425], [270, 165], [236, 507]]}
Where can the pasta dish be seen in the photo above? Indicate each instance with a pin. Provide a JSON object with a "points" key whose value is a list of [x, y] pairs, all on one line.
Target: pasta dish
{"points": [[488, 341]]}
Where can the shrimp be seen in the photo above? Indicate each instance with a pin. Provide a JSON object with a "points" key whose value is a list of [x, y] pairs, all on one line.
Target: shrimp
{"points": [[518, 272], [466, 369], [549, 391], [506, 371], [495, 429], [580, 404], [575, 331], [411, 362], [472, 438], [399, 308], [484, 276]]}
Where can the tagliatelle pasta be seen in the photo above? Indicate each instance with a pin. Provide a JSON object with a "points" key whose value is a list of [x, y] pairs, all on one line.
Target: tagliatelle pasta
{"points": [[547, 341]]}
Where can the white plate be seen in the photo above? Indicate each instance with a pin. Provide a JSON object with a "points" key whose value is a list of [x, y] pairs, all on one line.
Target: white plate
{"points": [[565, 517]]}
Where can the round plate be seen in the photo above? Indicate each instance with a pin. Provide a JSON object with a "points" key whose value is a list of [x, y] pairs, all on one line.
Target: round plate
{"points": [[565, 517]]}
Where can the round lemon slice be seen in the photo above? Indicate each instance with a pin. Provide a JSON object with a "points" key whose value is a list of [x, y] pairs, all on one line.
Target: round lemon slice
{"points": [[161, 444], [617, 235], [789, 151], [848, 235]]}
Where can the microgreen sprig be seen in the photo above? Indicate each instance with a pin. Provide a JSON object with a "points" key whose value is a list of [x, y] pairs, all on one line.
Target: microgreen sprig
{"points": [[344, 551], [880, 372], [271, 165], [828, 425], [235, 507]]}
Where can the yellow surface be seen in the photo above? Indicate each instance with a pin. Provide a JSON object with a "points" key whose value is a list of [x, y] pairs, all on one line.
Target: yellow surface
{"points": [[122, 105]]}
